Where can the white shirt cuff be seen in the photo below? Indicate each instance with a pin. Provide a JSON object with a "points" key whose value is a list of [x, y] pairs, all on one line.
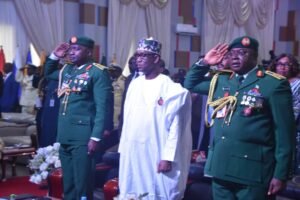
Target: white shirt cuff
{"points": [[53, 56], [201, 62], [95, 139]]}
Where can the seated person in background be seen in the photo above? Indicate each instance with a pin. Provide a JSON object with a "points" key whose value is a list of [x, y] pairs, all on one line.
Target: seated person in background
{"points": [[28, 93], [288, 66], [9, 101], [253, 123]]}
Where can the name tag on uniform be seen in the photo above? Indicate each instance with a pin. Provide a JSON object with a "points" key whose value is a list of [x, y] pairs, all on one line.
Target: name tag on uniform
{"points": [[221, 113]]}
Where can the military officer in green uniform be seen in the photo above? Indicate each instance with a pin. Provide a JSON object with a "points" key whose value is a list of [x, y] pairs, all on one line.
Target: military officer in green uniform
{"points": [[86, 110], [251, 153]]}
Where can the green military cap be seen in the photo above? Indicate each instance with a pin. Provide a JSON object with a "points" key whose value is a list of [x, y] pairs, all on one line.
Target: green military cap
{"points": [[83, 41], [244, 42]]}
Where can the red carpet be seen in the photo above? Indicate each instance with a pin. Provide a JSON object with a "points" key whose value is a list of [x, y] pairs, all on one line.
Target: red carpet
{"points": [[20, 185]]}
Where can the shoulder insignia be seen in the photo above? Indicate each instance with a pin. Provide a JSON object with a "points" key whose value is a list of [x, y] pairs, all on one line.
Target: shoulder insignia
{"points": [[102, 67], [275, 75]]}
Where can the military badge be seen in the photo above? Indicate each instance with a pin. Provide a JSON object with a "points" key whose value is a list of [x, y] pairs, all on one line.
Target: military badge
{"points": [[84, 76], [247, 111], [252, 100], [222, 113], [226, 91], [160, 101], [259, 73], [74, 39], [245, 41]]}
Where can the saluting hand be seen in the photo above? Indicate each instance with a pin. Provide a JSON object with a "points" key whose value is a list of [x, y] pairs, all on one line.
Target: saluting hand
{"points": [[61, 50], [275, 186], [216, 54], [164, 166], [92, 146]]}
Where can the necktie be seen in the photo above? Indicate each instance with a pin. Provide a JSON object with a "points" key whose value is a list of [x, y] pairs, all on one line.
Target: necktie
{"points": [[241, 79]]}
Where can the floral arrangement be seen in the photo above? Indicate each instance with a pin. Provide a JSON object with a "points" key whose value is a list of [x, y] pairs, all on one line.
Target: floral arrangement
{"points": [[45, 160]]}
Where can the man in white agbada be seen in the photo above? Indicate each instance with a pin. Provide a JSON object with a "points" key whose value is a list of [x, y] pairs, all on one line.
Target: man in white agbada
{"points": [[155, 146]]}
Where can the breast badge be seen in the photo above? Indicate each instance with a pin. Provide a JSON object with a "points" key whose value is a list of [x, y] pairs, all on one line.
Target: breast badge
{"points": [[160, 101], [252, 101]]}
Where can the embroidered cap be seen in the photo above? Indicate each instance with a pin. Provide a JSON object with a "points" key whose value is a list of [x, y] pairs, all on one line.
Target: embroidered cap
{"points": [[83, 41], [244, 42], [149, 45]]}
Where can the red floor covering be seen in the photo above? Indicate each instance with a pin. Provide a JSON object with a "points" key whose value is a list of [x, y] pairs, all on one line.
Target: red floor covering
{"points": [[21, 185]]}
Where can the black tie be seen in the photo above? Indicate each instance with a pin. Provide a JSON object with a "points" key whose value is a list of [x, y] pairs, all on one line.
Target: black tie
{"points": [[241, 79]]}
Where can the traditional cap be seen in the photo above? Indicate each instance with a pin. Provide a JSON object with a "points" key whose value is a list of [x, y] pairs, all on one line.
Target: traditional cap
{"points": [[83, 41], [150, 45], [244, 42]]}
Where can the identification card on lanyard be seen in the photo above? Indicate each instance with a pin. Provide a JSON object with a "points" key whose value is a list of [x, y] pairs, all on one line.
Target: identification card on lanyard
{"points": [[52, 102], [221, 113]]}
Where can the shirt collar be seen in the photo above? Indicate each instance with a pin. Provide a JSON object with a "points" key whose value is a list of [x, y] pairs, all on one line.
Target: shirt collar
{"points": [[245, 75], [7, 75]]}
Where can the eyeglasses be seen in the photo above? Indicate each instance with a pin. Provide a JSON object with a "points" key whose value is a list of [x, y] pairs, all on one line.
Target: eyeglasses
{"points": [[286, 65], [143, 54]]}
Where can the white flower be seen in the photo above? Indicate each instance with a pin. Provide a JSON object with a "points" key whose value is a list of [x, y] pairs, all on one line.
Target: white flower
{"points": [[57, 164], [36, 178], [49, 149], [56, 146], [44, 166], [44, 174], [43, 162], [51, 159], [40, 151]]}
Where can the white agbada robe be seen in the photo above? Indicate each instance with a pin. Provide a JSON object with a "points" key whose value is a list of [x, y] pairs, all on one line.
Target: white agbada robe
{"points": [[157, 126]]}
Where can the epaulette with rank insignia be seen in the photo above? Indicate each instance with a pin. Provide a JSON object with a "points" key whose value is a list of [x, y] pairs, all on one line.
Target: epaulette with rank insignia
{"points": [[275, 75], [102, 67]]}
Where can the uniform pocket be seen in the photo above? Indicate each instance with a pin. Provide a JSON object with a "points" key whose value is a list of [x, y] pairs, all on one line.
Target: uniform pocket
{"points": [[80, 120], [246, 162], [80, 127]]}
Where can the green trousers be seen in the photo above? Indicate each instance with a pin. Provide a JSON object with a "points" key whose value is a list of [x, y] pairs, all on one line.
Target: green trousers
{"points": [[78, 171], [226, 190]]}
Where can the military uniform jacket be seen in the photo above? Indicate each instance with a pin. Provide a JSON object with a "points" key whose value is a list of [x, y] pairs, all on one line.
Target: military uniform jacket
{"points": [[86, 108], [257, 144]]}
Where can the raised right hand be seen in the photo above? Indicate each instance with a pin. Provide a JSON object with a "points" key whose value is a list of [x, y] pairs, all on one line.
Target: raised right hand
{"points": [[61, 50], [216, 54]]}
